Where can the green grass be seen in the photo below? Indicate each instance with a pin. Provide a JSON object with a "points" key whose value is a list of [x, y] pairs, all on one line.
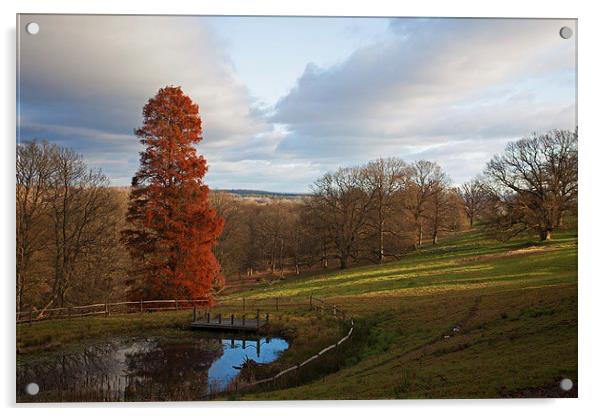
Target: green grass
{"points": [[514, 304]]}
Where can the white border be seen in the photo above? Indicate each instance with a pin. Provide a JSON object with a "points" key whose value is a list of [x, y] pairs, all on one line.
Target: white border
{"points": [[590, 277]]}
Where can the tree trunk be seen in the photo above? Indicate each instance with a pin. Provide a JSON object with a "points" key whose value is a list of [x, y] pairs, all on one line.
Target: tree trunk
{"points": [[559, 220], [324, 258], [381, 242], [545, 234]]}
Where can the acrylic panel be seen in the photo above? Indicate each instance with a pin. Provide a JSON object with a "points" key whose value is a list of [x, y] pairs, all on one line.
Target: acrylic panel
{"points": [[308, 208]]}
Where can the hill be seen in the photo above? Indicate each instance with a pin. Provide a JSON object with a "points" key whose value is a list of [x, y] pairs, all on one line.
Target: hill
{"points": [[257, 193], [470, 318]]}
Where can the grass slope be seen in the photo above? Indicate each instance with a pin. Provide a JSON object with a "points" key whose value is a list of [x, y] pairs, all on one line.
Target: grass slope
{"points": [[514, 307]]}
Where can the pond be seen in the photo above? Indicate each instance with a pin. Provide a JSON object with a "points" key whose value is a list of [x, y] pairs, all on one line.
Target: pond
{"points": [[141, 369]]}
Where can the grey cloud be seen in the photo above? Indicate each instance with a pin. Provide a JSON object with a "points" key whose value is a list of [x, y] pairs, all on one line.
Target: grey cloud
{"points": [[84, 80], [451, 90]]}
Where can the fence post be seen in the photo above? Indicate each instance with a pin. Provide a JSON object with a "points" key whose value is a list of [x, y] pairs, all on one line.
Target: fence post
{"points": [[208, 317], [311, 305], [219, 318], [194, 314], [141, 307], [277, 302], [243, 319], [30, 315], [232, 320], [267, 317], [257, 319], [243, 304], [177, 305], [106, 309]]}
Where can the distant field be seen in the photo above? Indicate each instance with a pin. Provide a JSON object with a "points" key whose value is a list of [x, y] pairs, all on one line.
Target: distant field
{"points": [[514, 307]]}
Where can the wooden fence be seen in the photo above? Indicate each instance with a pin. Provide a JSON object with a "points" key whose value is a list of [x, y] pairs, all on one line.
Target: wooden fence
{"points": [[114, 308], [322, 307], [275, 303]]}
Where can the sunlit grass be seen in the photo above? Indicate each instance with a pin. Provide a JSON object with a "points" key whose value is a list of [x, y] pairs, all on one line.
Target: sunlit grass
{"points": [[515, 304]]}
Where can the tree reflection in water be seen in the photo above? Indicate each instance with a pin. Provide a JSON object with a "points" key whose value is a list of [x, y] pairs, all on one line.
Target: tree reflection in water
{"points": [[143, 369]]}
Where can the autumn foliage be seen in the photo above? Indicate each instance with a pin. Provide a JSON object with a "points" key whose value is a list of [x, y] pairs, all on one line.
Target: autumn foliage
{"points": [[171, 227]]}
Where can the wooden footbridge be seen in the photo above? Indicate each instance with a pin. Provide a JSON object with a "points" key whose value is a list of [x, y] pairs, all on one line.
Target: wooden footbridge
{"points": [[219, 322]]}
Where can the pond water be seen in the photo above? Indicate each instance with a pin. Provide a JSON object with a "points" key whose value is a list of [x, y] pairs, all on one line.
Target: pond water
{"points": [[151, 368]]}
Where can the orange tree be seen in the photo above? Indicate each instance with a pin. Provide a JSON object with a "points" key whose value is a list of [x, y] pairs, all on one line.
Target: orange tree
{"points": [[171, 227]]}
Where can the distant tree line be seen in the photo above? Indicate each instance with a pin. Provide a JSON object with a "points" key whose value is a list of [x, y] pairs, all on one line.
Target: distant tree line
{"points": [[69, 221], [381, 210], [367, 213]]}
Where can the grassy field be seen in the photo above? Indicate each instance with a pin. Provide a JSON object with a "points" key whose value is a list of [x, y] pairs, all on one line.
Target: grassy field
{"points": [[469, 318]]}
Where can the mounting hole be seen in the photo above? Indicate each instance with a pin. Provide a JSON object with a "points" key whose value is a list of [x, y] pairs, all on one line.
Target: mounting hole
{"points": [[32, 28], [566, 32], [566, 384], [32, 389]]}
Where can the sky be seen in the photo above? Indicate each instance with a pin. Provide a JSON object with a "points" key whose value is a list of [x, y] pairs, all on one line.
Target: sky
{"points": [[286, 99]]}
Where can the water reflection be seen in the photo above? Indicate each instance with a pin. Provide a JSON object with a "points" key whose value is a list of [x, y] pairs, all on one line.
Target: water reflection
{"points": [[144, 369]]}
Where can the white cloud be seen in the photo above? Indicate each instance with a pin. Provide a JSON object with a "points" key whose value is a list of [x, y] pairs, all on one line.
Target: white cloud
{"points": [[450, 90], [434, 82]]}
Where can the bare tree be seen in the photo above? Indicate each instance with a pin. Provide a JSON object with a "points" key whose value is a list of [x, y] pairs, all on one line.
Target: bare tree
{"points": [[385, 179], [67, 228], [535, 181], [233, 242], [35, 167], [424, 181], [341, 205], [473, 195], [443, 211], [81, 217]]}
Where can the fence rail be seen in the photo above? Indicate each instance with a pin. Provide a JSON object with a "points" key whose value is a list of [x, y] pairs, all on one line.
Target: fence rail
{"points": [[109, 308], [314, 304], [118, 308]]}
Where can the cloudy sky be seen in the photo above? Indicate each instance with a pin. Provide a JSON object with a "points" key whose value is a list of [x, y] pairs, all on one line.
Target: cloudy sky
{"points": [[284, 100]]}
